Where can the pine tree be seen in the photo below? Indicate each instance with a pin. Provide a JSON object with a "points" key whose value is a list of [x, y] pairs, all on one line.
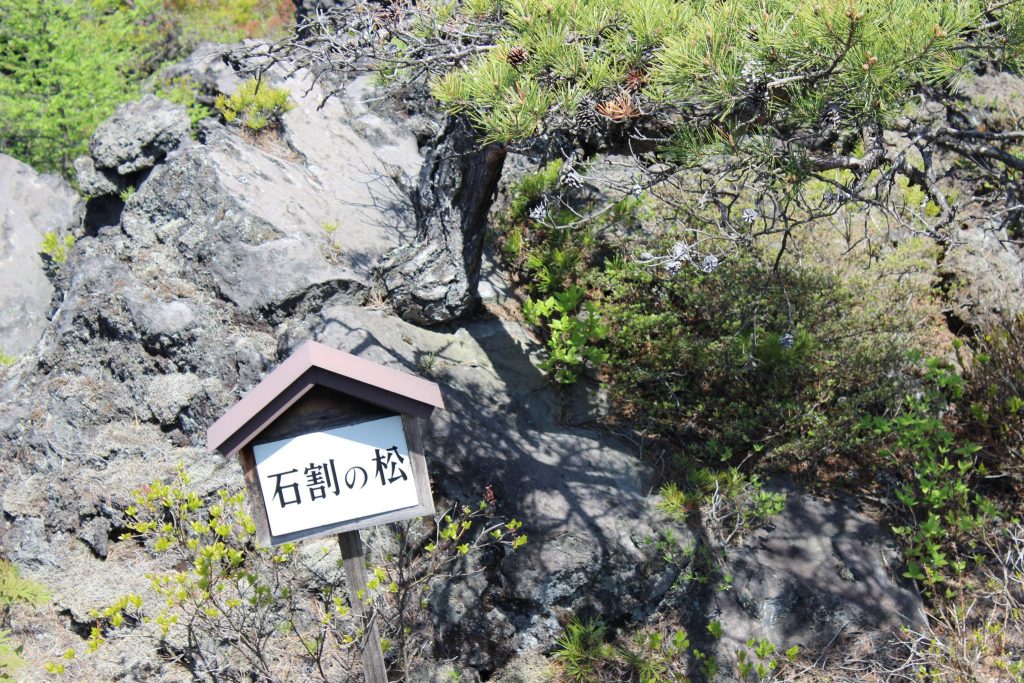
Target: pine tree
{"points": [[777, 97]]}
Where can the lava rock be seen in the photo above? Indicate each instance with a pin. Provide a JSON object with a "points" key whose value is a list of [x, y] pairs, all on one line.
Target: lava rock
{"points": [[31, 204], [819, 569], [139, 135]]}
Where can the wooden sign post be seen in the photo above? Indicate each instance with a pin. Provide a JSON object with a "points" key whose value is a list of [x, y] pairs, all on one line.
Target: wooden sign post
{"points": [[329, 444]]}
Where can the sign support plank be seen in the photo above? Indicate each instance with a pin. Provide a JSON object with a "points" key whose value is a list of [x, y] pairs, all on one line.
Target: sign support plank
{"points": [[355, 572]]}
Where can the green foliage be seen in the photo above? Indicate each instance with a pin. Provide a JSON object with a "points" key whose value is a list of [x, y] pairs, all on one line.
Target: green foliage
{"points": [[581, 649], [66, 66], [228, 21], [270, 610], [331, 247], [255, 105], [56, 248], [15, 590], [992, 410], [572, 326], [745, 357], [184, 91], [648, 656], [868, 56], [531, 188], [758, 662], [732, 503], [740, 360], [7, 360], [655, 656], [228, 588], [976, 634], [652, 655], [940, 482], [11, 660]]}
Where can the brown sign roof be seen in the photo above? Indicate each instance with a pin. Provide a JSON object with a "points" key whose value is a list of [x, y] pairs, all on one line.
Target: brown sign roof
{"points": [[312, 365]]}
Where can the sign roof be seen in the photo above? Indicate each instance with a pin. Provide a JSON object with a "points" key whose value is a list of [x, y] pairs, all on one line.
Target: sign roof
{"points": [[314, 364]]}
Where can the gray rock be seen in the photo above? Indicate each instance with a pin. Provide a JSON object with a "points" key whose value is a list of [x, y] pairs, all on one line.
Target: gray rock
{"points": [[138, 135], [207, 67], [94, 534], [235, 209], [163, 325], [429, 672], [983, 265], [582, 496], [28, 543], [168, 395], [987, 270], [30, 205], [817, 571], [97, 181]]}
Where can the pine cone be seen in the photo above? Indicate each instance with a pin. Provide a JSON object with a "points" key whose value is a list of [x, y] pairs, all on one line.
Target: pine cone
{"points": [[830, 117], [572, 179], [586, 117], [517, 55]]}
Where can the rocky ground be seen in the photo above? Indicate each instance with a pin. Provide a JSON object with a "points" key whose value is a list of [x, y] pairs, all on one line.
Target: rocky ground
{"points": [[227, 252]]}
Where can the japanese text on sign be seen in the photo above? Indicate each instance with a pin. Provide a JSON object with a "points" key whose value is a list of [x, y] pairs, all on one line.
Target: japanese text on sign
{"points": [[336, 475]]}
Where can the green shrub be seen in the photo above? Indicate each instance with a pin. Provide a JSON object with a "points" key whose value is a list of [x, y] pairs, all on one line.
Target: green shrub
{"points": [[184, 91], [15, 589], [255, 105], [56, 248], [231, 607], [581, 649], [67, 65], [741, 356], [759, 662], [732, 504], [572, 327], [941, 481], [228, 21], [586, 652], [977, 634], [531, 188], [740, 361], [993, 396]]}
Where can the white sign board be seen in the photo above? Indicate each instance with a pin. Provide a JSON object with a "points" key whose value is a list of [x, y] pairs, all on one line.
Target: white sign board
{"points": [[336, 475]]}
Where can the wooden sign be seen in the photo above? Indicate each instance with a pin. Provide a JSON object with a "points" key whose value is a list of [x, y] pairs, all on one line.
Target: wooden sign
{"points": [[330, 443], [344, 478]]}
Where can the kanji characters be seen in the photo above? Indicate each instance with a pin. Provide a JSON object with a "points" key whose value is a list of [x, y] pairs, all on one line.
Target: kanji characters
{"points": [[391, 457], [279, 490], [321, 477], [352, 476]]}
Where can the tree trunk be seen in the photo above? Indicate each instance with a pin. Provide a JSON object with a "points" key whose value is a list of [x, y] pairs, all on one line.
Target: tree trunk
{"points": [[433, 280]]}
